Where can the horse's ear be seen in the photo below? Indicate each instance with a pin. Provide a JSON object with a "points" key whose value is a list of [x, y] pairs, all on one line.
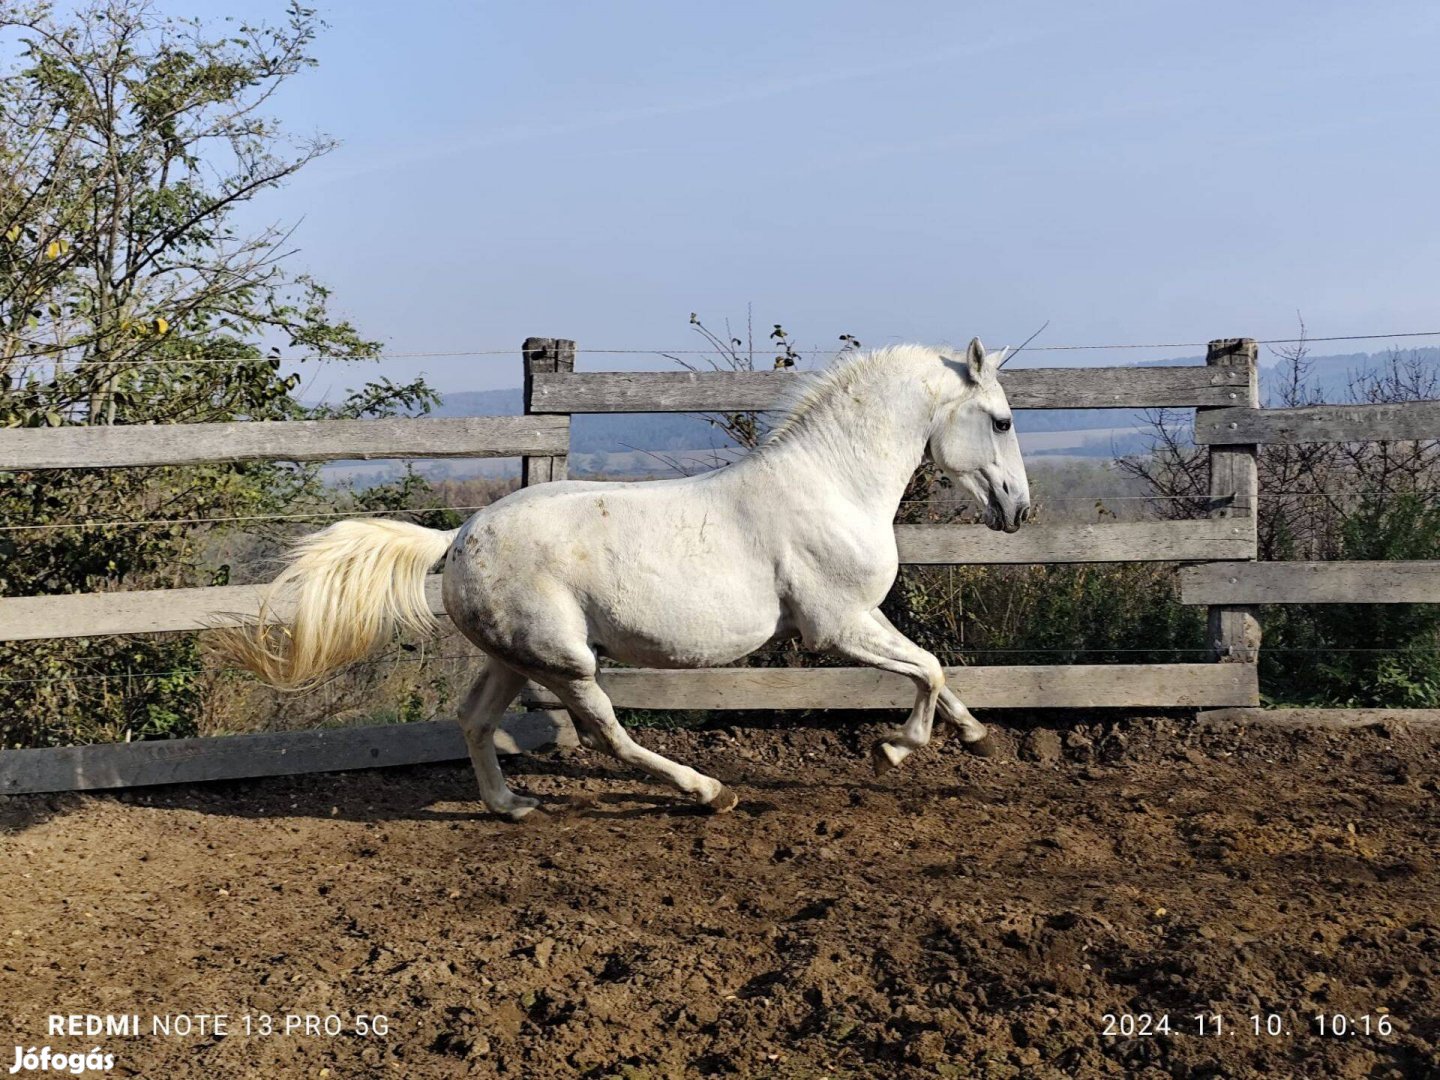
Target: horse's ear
{"points": [[975, 357]]}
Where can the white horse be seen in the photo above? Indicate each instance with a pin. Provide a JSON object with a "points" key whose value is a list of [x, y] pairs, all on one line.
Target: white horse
{"points": [[795, 539]]}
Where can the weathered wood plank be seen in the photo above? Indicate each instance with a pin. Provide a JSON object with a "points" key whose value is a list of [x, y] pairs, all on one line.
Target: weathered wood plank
{"points": [[147, 611], [289, 440], [1321, 423], [1075, 686], [1130, 541], [1028, 388], [1311, 583], [281, 753], [1234, 632], [1333, 719], [545, 356], [659, 391]]}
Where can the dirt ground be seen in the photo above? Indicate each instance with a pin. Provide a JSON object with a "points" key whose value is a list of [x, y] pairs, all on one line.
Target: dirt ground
{"points": [[958, 918]]}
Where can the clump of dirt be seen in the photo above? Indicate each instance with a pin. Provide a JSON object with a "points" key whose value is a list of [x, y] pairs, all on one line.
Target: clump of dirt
{"points": [[1009, 917]]}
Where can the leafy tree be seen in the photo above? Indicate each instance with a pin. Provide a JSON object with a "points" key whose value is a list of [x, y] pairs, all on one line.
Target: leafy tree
{"points": [[129, 295]]}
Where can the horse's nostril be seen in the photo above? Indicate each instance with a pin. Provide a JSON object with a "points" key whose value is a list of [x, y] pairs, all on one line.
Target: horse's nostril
{"points": [[1005, 486]]}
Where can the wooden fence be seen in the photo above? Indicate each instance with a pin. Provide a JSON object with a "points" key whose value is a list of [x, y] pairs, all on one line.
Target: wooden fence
{"points": [[1219, 550]]}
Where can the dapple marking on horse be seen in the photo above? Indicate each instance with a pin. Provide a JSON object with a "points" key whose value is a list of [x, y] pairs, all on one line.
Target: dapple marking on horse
{"points": [[794, 540]]}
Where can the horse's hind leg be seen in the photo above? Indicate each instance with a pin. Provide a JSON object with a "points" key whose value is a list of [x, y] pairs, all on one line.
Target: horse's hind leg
{"points": [[493, 690], [590, 707]]}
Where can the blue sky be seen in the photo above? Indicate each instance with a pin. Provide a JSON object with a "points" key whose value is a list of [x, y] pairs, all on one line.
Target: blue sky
{"points": [[1132, 172]]}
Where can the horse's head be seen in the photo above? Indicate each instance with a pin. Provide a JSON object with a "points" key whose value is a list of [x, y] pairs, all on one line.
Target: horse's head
{"points": [[973, 440]]}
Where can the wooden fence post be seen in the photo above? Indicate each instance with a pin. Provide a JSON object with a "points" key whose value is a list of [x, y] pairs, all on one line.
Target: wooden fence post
{"points": [[1234, 632], [544, 355]]}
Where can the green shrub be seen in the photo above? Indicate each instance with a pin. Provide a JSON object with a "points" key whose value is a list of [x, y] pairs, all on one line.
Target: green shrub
{"points": [[1048, 614], [1362, 655]]}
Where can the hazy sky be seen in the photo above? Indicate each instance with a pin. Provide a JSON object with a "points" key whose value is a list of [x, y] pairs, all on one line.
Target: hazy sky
{"points": [[1133, 172]]}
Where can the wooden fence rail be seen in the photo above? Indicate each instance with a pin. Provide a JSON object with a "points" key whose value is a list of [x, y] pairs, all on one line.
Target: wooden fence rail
{"points": [[1122, 541], [1311, 583], [1396, 422], [144, 611], [271, 753], [281, 440], [1031, 388], [1065, 686]]}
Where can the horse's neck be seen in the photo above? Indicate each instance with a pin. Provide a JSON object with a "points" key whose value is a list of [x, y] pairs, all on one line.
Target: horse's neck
{"points": [[866, 438]]}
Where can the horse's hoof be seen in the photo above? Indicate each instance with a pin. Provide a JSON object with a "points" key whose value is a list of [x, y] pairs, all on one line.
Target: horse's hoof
{"points": [[723, 801], [521, 807], [885, 756], [984, 746]]}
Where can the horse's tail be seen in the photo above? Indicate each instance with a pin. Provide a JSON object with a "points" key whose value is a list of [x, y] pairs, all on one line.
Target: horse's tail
{"points": [[349, 586]]}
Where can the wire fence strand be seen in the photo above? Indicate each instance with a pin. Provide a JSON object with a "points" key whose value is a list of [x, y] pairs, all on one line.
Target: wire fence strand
{"points": [[1258, 341], [514, 351]]}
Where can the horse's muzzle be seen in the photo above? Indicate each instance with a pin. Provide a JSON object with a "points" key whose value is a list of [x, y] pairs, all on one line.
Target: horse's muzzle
{"points": [[1009, 522]]}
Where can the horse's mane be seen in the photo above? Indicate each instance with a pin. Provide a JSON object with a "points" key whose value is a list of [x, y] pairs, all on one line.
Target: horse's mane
{"points": [[810, 395]]}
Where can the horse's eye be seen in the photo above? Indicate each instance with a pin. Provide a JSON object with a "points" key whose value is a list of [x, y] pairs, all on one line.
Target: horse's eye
{"points": [[1002, 425]]}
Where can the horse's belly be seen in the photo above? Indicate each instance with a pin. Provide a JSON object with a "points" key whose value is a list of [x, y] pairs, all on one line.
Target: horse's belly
{"points": [[687, 631], [664, 583], [678, 651]]}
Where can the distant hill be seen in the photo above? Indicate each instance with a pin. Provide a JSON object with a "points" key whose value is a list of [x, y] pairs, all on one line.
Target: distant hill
{"points": [[1332, 374]]}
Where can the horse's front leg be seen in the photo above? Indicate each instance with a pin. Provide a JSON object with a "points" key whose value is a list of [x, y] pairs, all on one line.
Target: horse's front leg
{"points": [[952, 710], [973, 734], [880, 645]]}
